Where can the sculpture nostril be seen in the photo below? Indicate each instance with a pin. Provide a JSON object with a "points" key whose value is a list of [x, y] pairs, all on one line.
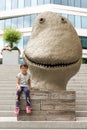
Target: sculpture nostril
{"points": [[42, 20], [63, 20]]}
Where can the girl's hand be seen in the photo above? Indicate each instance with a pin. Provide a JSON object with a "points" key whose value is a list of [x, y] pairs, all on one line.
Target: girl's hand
{"points": [[30, 88], [19, 88]]}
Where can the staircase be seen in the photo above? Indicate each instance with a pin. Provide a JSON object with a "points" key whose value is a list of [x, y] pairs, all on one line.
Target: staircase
{"points": [[79, 84], [7, 92], [8, 120]]}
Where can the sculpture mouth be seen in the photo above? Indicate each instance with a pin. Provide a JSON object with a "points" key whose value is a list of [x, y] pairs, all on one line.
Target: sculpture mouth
{"points": [[51, 65]]}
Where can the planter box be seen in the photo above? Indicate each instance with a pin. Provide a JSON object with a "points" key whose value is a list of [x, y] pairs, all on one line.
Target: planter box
{"points": [[10, 57]]}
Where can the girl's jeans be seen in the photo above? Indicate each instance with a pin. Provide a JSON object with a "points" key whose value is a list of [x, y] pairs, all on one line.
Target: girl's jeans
{"points": [[27, 94]]}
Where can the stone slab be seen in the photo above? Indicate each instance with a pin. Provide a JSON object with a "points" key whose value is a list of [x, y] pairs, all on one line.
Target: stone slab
{"points": [[49, 105]]}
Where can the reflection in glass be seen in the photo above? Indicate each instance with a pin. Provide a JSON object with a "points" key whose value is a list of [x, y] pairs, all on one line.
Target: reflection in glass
{"points": [[58, 1]]}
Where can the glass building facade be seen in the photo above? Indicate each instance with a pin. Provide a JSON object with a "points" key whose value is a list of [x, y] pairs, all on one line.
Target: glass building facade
{"points": [[79, 22]]}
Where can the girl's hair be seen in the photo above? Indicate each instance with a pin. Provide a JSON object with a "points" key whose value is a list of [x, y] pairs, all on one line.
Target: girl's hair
{"points": [[24, 65]]}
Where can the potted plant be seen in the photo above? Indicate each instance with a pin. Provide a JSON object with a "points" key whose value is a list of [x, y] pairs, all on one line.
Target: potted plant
{"points": [[11, 52]]}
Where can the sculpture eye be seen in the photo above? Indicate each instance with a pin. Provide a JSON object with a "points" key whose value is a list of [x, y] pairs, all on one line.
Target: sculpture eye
{"points": [[63, 20], [42, 20]]}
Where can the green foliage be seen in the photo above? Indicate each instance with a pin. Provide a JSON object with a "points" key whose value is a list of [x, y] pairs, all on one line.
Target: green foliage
{"points": [[11, 35]]}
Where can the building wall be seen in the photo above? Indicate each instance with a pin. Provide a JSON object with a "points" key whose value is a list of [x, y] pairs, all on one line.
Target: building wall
{"points": [[79, 22]]}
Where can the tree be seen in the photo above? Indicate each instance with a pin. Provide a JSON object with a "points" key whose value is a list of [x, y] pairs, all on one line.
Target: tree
{"points": [[11, 36]]}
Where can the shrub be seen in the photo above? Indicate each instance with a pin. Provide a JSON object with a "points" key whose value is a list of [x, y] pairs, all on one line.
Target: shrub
{"points": [[11, 36]]}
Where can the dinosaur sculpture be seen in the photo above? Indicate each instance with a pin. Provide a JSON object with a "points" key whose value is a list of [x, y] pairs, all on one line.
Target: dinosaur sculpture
{"points": [[53, 53]]}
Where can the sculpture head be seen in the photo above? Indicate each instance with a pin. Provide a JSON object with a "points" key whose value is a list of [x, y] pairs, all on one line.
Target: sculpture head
{"points": [[53, 53]]}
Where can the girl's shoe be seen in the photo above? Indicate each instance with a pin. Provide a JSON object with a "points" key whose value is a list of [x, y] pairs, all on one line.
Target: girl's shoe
{"points": [[17, 111], [28, 109]]}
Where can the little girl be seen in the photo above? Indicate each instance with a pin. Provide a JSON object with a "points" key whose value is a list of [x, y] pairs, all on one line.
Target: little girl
{"points": [[23, 85]]}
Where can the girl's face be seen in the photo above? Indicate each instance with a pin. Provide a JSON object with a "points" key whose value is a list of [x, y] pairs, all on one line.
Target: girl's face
{"points": [[24, 70]]}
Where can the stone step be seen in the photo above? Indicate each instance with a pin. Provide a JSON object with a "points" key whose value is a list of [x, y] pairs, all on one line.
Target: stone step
{"points": [[8, 89], [8, 119], [82, 102], [44, 129], [81, 107], [7, 114], [76, 89], [7, 102], [8, 97], [81, 98], [7, 107], [43, 124], [84, 86], [81, 113]]}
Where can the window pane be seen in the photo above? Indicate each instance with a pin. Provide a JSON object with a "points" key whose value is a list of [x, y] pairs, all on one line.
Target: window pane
{"points": [[84, 42], [40, 2], [8, 4], [2, 5], [72, 19], [84, 3], [20, 22], [71, 2], [7, 23], [20, 3], [64, 2], [27, 3], [77, 3], [14, 4], [47, 1], [52, 1], [1, 24], [57, 1], [25, 41], [14, 22], [78, 21], [33, 16], [84, 22], [27, 21], [33, 2]]}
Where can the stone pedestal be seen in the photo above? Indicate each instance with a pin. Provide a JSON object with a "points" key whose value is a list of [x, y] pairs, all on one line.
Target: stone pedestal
{"points": [[10, 57], [50, 106]]}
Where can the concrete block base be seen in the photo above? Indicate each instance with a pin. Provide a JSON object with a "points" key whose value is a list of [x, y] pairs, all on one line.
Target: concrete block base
{"points": [[49, 105]]}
